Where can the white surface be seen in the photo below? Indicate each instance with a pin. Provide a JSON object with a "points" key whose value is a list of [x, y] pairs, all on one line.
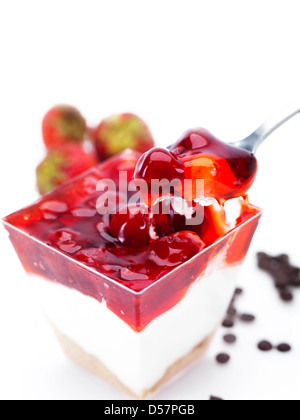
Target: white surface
{"points": [[223, 65], [144, 357]]}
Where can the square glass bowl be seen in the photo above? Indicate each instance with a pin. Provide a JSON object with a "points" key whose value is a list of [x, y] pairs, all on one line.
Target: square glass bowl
{"points": [[136, 340]]}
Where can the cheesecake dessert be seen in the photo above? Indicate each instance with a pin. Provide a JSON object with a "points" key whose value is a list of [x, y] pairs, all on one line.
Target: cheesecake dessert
{"points": [[134, 292]]}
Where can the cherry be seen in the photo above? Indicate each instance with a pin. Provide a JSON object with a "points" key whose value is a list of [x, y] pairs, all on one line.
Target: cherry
{"points": [[175, 249], [155, 165], [130, 225], [166, 220], [209, 222], [192, 140], [161, 221], [158, 163], [227, 171]]}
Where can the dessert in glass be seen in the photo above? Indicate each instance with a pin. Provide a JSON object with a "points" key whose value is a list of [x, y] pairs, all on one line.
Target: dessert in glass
{"points": [[135, 295]]}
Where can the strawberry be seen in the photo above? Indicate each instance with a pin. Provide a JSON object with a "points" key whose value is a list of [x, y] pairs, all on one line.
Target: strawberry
{"points": [[61, 165], [63, 124], [120, 132]]}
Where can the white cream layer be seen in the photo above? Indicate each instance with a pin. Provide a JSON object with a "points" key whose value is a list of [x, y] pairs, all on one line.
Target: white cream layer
{"points": [[139, 360]]}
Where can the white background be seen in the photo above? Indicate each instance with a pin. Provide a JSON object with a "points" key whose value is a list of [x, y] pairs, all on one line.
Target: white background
{"points": [[224, 65]]}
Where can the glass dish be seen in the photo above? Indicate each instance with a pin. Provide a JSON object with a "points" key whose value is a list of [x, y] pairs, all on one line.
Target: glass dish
{"points": [[136, 340]]}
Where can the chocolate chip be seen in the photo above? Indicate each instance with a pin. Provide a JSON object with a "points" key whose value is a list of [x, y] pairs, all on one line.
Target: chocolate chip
{"points": [[228, 323], [286, 296], [284, 259], [265, 346], [274, 264], [284, 274], [229, 338], [281, 280], [223, 358], [247, 318], [231, 311], [212, 398], [263, 260], [238, 291], [295, 277], [262, 256], [284, 348]]}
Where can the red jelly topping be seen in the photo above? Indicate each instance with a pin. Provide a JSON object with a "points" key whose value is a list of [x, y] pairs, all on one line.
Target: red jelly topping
{"points": [[63, 238], [212, 225], [66, 240], [175, 249], [227, 171]]}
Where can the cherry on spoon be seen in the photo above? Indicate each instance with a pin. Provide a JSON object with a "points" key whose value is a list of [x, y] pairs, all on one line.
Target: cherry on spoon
{"points": [[228, 170], [197, 165]]}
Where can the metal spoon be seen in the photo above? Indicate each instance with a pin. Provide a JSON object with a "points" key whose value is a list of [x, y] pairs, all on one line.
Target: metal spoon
{"points": [[252, 142]]}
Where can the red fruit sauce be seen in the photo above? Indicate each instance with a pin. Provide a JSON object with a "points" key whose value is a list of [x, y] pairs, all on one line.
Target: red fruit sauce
{"points": [[63, 238], [227, 171]]}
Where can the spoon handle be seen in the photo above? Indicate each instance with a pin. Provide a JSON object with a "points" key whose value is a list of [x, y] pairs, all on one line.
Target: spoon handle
{"points": [[252, 142]]}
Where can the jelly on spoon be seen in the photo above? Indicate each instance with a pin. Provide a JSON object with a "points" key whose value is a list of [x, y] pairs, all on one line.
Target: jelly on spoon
{"points": [[228, 170]]}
